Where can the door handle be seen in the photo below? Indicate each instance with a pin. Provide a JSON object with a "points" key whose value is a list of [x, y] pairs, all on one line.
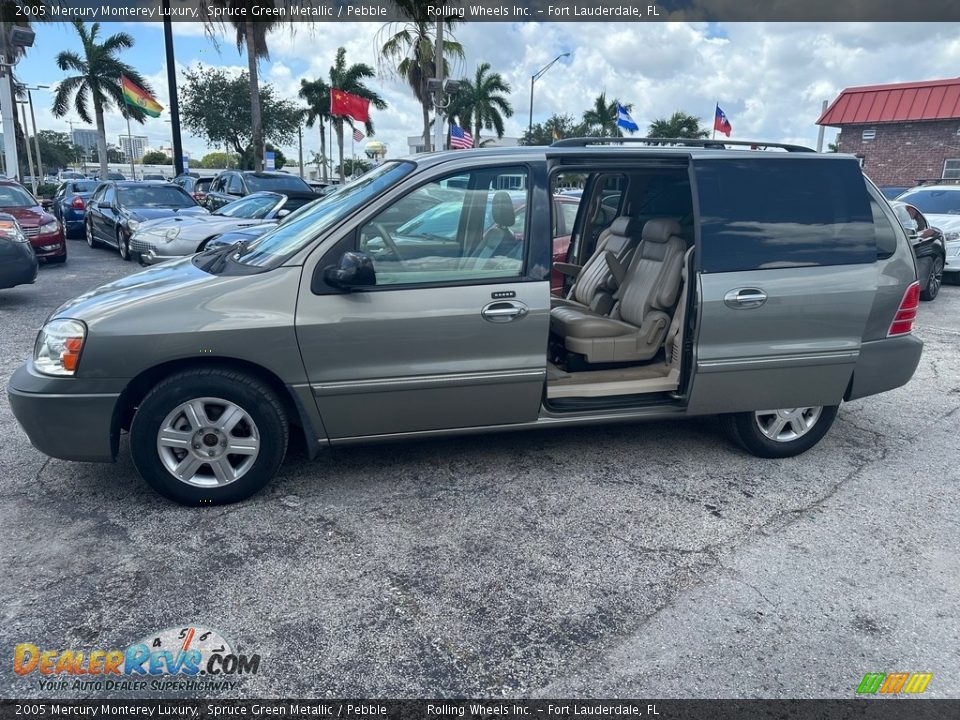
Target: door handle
{"points": [[743, 298], [504, 311]]}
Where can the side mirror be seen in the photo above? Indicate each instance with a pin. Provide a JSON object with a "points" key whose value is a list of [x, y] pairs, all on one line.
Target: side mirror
{"points": [[355, 270], [282, 213]]}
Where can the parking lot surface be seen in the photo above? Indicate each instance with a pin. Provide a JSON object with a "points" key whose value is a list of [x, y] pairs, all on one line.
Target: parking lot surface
{"points": [[648, 560]]}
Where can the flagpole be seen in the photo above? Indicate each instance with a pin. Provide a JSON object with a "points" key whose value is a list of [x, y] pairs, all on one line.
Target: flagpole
{"points": [[715, 106]]}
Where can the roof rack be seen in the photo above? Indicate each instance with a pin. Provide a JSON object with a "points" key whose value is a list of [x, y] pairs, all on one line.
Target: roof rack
{"points": [[690, 142]]}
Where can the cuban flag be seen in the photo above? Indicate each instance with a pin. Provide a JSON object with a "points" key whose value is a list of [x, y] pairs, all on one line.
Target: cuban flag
{"points": [[720, 122], [624, 120]]}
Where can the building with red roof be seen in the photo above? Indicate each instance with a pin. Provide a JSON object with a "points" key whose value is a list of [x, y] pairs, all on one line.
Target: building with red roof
{"points": [[903, 133]]}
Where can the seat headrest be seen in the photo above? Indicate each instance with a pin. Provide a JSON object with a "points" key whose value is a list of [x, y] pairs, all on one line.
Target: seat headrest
{"points": [[503, 212], [660, 230], [625, 226]]}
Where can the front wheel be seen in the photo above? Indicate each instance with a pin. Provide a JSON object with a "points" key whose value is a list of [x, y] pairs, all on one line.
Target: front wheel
{"points": [[780, 433], [934, 277], [91, 239], [209, 436], [123, 244]]}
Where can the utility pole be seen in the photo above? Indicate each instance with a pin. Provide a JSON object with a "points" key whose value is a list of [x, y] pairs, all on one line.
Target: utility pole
{"points": [[33, 177], [300, 148], [172, 91], [7, 107], [438, 98], [823, 109], [33, 121]]}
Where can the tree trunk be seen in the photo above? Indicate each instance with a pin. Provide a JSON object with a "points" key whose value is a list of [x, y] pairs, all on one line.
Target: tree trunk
{"points": [[256, 123], [323, 151], [101, 137], [426, 126], [338, 124]]}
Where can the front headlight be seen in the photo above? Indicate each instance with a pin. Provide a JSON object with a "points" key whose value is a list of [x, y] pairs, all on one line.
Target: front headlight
{"points": [[952, 236], [132, 225], [58, 347], [50, 227]]}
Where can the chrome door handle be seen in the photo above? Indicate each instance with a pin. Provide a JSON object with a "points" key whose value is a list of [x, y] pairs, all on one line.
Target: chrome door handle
{"points": [[503, 311], [743, 298]]}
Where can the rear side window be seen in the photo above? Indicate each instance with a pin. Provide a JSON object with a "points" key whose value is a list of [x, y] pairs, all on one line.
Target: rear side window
{"points": [[776, 213]]}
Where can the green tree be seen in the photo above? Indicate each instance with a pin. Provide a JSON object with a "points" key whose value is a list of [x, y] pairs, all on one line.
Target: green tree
{"points": [[245, 160], [353, 166], [317, 94], [216, 106], [481, 103], [601, 119], [56, 149], [556, 127], [251, 33], [678, 125], [350, 79], [218, 160], [155, 157], [411, 45], [97, 81]]}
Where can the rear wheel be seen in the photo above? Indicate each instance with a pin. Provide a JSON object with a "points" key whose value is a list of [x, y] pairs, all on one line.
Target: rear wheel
{"points": [[779, 433], [932, 270], [209, 437]]}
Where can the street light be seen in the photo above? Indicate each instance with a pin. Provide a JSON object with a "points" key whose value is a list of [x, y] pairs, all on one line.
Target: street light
{"points": [[536, 76], [33, 120]]}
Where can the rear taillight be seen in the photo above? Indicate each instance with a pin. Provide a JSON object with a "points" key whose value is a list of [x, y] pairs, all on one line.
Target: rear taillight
{"points": [[907, 312], [78, 203]]}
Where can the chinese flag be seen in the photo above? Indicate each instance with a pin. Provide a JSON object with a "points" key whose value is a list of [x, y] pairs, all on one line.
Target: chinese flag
{"points": [[344, 103]]}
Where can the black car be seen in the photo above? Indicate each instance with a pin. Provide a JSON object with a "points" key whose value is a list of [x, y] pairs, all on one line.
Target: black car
{"points": [[197, 186], [18, 262], [116, 210], [69, 204], [929, 248], [232, 184]]}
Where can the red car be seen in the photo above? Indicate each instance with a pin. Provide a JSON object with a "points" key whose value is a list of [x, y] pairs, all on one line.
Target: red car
{"points": [[41, 229]]}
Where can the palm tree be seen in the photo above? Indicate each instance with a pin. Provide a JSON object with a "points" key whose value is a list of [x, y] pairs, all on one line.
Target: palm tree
{"points": [[482, 104], [350, 79], [678, 125], [97, 81], [317, 94], [602, 117], [253, 36], [411, 45]]}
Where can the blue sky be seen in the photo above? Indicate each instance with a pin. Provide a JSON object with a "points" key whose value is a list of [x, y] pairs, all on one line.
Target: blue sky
{"points": [[770, 78]]}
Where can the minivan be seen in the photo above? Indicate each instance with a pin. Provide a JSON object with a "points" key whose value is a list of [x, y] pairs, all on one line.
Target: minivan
{"points": [[766, 286]]}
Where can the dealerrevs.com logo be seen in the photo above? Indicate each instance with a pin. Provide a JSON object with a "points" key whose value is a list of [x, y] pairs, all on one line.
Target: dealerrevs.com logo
{"points": [[189, 658]]}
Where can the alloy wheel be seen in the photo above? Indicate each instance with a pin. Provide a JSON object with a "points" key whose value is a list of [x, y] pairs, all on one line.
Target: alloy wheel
{"points": [[787, 424], [208, 442], [935, 279]]}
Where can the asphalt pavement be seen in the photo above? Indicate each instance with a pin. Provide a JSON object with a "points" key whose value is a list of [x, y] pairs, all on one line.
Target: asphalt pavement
{"points": [[648, 560]]}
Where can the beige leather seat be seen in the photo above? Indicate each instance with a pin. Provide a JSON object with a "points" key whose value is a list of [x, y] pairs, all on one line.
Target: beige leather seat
{"points": [[636, 328], [595, 285]]}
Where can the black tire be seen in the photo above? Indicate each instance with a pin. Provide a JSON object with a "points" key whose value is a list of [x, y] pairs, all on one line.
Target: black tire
{"points": [[744, 429], [252, 396], [123, 245], [91, 240], [931, 276]]}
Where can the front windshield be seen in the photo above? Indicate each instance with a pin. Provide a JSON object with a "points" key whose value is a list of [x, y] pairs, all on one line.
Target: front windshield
{"points": [[15, 197], [277, 183], [154, 196], [252, 207], [934, 202], [310, 221]]}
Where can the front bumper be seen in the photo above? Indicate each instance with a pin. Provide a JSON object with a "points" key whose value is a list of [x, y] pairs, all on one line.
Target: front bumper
{"points": [[18, 264], [953, 257], [52, 245], [152, 250], [66, 418]]}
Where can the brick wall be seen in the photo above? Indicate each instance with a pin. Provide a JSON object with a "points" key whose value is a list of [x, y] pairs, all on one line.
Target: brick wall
{"points": [[902, 153]]}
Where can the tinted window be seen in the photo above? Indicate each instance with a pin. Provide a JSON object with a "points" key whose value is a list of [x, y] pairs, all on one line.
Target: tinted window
{"points": [[775, 213], [934, 202], [277, 183], [234, 185], [155, 196], [84, 186], [12, 196], [885, 235]]}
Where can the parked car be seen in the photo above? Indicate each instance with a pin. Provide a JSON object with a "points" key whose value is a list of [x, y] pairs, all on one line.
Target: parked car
{"points": [[940, 205], [195, 185], [41, 228], [929, 248], [69, 205], [70, 175], [232, 184], [116, 209], [789, 289], [18, 261], [160, 240]]}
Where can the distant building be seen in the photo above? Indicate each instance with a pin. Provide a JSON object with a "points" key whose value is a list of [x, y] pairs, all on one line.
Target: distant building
{"points": [[133, 146], [86, 140], [902, 133]]}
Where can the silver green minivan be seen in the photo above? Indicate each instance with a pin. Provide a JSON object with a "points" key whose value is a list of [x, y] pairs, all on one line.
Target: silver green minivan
{"points": [[765, 286]]}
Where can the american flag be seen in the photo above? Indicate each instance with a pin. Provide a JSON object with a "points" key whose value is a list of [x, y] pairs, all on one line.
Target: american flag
{"points": [[460, 138], [357, 135]]}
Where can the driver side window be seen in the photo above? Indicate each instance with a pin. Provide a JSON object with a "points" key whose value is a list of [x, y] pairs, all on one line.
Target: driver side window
{"points": [[456, 229]]}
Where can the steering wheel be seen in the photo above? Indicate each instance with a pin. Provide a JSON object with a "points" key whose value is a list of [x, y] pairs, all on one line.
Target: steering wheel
{"points": [[388, 240]]}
